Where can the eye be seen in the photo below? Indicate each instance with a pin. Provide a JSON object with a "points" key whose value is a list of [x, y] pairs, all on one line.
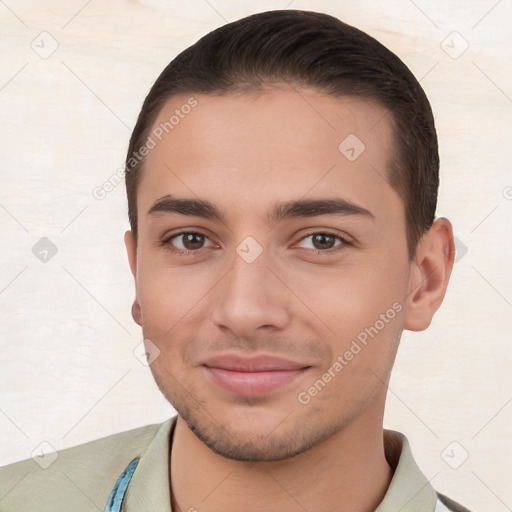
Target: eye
{"points": [[187, 242], [322, 241]]}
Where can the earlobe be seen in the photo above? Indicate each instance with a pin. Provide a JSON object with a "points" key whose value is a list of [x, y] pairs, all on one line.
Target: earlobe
{"points": [[429, 276], [136, 312]]}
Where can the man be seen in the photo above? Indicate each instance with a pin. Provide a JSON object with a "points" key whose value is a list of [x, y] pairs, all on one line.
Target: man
{"points": [[282, 183]]}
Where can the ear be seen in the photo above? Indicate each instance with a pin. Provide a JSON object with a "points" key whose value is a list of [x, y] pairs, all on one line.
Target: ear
{"points": [[131, 250], [429, 275]]}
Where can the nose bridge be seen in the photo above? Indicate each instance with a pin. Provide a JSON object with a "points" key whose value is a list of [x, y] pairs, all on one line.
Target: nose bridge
{"points": [[249, 296]]}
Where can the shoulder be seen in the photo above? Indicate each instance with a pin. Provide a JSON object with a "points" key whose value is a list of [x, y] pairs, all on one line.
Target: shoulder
{"points": [[82, 475]]}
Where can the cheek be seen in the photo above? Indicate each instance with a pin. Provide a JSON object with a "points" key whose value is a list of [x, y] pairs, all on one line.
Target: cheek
{"points": [[170, 295], [361, 307], [348, 299]]}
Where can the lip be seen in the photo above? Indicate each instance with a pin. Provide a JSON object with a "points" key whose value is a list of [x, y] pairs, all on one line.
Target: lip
{"points": [[252, 376]]}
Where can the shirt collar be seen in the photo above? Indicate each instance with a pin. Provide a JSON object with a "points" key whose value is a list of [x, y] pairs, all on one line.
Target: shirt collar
{"points": [[149, 488], [409, 490]]}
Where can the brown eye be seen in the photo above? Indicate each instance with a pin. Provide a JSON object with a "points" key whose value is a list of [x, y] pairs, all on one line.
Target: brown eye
{"points": [[188, 241], [322, 242], [192, 241]]}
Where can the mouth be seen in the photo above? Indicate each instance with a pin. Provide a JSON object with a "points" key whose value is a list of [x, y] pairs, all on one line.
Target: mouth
{"points": [[252, 376]]}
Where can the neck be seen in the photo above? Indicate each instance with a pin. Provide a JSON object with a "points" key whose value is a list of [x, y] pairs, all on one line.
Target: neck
{"points": [[347, 472]]}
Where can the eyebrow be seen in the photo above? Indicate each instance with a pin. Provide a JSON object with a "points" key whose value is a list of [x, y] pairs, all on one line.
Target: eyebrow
{"points": [[280, 211]]}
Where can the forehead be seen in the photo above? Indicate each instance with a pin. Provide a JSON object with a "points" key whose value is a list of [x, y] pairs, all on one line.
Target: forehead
{"points": [[276, 144]]}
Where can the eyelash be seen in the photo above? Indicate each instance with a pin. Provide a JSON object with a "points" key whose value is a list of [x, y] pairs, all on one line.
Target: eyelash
{"points": [[166, 243]]}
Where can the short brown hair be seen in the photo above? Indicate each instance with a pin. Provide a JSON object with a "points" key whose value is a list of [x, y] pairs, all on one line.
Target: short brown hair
{"points": [[314, 50]]}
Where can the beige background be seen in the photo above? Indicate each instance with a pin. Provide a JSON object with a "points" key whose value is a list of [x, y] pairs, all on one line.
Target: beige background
{"points": [[68, 372]]}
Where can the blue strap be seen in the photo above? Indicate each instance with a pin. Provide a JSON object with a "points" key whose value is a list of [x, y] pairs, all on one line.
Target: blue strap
{"points": [[115, 500]]}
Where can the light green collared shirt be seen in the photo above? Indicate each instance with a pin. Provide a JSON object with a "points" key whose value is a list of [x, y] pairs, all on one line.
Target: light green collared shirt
{"points": [[81, 478]]}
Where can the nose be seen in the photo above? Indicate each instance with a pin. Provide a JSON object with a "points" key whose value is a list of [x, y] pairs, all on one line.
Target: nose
{"points": [[250, 298]]}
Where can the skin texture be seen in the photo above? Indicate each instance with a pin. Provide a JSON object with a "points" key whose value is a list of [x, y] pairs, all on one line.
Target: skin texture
{"points": [[303, 298]]}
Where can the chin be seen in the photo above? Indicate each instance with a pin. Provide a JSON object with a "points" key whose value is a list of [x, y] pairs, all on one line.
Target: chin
{"points": [[243, 446], [254, 437]]}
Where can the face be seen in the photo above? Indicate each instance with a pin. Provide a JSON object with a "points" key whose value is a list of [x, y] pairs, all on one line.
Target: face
{"points": [[271, 267]]}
